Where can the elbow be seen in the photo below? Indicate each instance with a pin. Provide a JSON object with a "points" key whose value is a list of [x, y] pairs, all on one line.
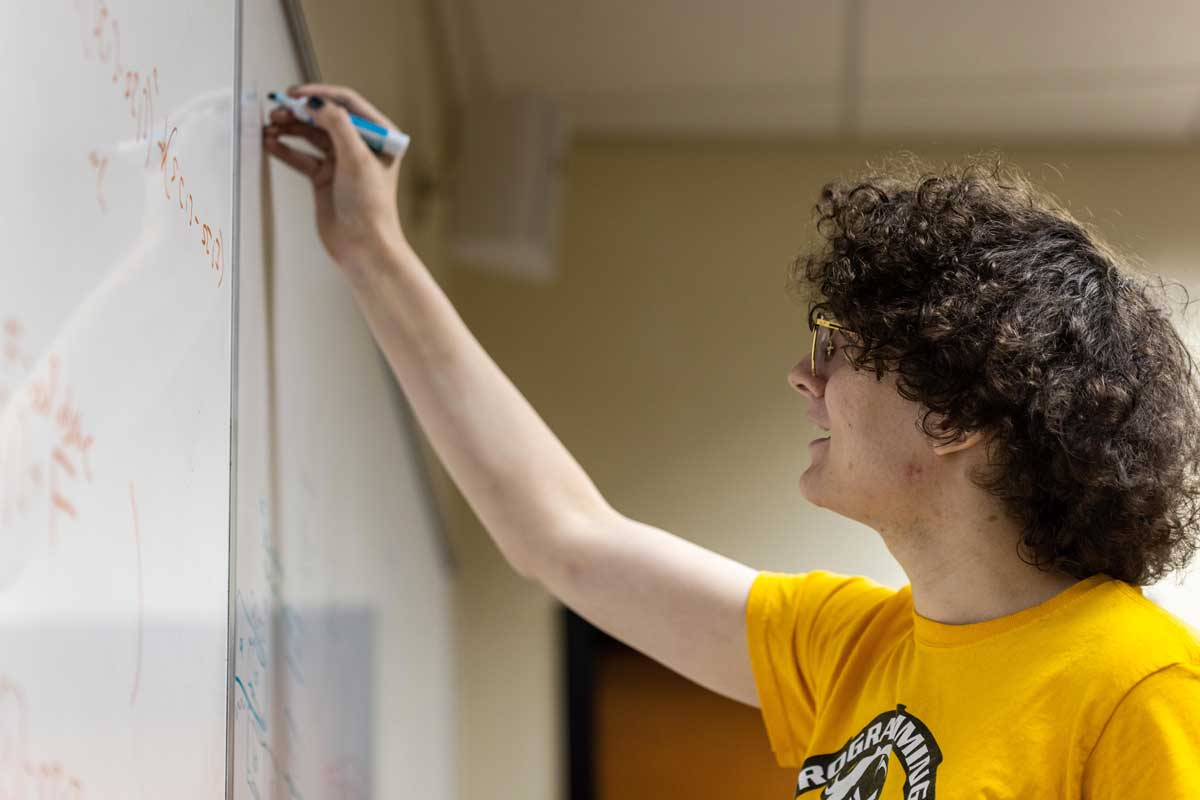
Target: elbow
{"points": [[556, 550], [522, 565]]}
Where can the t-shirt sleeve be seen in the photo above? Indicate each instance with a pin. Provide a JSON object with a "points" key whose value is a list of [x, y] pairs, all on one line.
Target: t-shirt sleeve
{"points": [[798, 629], [1150, 746]]}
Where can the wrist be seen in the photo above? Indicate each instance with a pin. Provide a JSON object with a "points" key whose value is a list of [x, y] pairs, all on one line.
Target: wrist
{"points": [[375, 254]]}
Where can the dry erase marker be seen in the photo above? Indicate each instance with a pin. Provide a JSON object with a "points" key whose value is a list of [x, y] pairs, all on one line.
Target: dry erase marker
{"points": [[377, 137]]}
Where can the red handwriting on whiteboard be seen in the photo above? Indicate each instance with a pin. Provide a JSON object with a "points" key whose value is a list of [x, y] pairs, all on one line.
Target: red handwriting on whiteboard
{"points": [[214, 247], [24, 482], [74, 443], [66, 462], [23, 777], [14, 348], [99, 163], [139, 90]]}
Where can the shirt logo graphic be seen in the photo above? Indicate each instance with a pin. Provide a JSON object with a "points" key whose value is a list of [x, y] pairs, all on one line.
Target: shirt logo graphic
{"points": [[858, 770]]}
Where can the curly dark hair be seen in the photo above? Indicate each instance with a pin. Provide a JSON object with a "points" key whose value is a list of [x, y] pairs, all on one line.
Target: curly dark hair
{"points": [[1001, 312]]}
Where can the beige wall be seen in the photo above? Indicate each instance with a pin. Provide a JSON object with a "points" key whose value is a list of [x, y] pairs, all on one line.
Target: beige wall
{"points": [[659, 358], [382, 48]]}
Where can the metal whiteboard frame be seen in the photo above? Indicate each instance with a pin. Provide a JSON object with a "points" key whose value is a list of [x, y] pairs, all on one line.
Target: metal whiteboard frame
{"points": [[234, 336], [302, 41]]}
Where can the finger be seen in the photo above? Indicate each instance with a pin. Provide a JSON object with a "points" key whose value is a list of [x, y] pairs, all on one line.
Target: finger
{"points": [[310, 133], [281, 115], [343, 96], [348, 145], [346, 97], [301, 162]]}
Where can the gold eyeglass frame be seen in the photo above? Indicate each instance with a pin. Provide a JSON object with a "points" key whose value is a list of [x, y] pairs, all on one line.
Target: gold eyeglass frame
{"points": [[824, 323]]}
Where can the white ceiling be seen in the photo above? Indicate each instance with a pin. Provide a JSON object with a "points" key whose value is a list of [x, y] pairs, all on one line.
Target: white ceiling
{"points": [[1089, 70]]}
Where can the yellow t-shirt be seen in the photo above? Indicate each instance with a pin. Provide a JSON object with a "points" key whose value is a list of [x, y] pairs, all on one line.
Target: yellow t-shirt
{"points": [[1093, 694]]}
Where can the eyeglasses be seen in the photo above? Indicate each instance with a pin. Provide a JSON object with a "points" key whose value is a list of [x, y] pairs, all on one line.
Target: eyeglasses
{"points": [[822, 341]]}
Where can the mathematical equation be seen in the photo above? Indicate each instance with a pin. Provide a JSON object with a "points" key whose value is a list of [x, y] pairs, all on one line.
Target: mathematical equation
{"points": [[100, 31]]}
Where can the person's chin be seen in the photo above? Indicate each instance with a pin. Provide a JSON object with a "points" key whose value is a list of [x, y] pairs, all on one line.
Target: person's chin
{"points": [[810, 487]]}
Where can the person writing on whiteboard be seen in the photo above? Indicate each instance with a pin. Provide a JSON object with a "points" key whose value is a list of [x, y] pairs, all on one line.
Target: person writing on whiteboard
{"points": [[1006, 405]]}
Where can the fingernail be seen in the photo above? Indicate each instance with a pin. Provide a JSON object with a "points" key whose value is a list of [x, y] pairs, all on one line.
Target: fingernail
{"points": [[315, 102]]}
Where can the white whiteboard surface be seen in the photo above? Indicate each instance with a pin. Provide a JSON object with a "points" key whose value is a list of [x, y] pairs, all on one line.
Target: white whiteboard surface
{"points": [[123, 437], [343, 627], [115, 306]]}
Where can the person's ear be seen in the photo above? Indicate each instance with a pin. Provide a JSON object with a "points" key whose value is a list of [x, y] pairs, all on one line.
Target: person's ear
{"points": [[963, 442]]}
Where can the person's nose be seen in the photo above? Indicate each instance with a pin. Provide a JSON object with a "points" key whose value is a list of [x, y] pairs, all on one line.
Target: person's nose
{"points": [[801, 378]]}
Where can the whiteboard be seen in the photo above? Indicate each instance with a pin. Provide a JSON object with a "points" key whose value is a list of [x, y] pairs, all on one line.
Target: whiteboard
{"points": [[115, 381], [219, 565], [343, 625]]}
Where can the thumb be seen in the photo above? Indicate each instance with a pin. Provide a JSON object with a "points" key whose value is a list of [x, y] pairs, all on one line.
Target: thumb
{"points": [[348, 146]]}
